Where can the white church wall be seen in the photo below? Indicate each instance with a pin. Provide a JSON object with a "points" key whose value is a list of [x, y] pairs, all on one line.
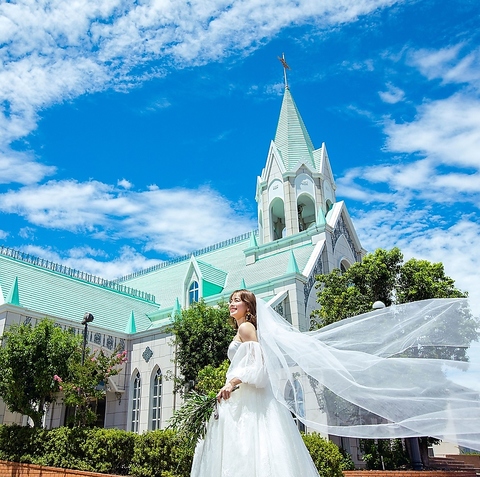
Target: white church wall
{"points": [[146, 354], [342, 252]]}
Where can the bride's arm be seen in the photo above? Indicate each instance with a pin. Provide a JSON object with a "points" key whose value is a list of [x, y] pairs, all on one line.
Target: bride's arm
{"points": [[246, 332]]}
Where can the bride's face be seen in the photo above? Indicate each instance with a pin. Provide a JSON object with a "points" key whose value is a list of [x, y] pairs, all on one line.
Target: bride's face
{"points": [[238, 308]]}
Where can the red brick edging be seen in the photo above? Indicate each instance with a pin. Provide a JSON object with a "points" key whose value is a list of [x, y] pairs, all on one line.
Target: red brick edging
{"points": [[409, 473], [15, 469]]}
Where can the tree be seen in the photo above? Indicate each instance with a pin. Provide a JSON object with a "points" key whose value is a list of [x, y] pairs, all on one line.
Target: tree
{"points": [[29, 358], [202, 334], [87, 384], [420, 279], [380, 276]]}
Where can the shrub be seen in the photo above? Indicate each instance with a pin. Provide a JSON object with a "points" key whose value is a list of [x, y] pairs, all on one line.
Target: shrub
{"points": [[18, 443], [161, 454], [388, 453], [325, 455], [110, 450], [64, 447]]}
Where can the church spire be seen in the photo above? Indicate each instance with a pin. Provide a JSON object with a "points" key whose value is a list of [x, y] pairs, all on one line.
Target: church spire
{"points": [[285, 68], [292, 138]]}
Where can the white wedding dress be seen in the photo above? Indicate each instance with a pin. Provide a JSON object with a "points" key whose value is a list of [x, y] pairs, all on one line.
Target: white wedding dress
{"points": [[255, 435]]}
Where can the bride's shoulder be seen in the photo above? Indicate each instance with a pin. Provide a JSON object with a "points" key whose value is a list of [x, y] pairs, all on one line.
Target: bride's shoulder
{"points": [[247, 332]]}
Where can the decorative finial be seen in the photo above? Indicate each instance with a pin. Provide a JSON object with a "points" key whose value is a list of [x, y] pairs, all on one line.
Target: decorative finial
{"points": [[285, 68]]}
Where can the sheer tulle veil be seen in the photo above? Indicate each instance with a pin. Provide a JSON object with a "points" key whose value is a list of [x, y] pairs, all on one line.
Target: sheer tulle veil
{"points": [[403, 371]]}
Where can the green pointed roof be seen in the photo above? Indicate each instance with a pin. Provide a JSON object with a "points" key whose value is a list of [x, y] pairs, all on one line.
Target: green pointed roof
{"points": [[292, 264], [13, 296], [253, 240], [212, 274], [243, 285], [177, 309], [292, 138], [131, 327], [321, 222]]}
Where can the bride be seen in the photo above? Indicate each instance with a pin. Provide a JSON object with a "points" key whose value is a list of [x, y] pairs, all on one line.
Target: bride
{"points": [[410, 370], [255, 435]]}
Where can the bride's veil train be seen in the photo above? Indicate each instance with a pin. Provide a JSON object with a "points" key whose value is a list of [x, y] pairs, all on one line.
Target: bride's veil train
{"points": [[403, 371]]}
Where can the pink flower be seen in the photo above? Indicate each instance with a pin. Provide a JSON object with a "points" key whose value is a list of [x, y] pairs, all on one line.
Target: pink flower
{"points": [[60, 387], [57, 378]]}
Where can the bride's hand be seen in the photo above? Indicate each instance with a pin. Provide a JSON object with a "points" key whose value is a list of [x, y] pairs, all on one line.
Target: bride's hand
{"points": [[225, 392]]}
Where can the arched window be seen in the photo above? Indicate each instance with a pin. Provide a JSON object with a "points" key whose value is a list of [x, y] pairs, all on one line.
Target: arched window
{"points": [[157, 400], [328, 206], [277, 219], [135, 403], [294, 397], [344, 266], [193, 293], [306, 212]]}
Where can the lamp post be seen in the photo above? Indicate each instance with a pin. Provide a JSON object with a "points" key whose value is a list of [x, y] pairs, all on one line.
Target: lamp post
{"points": [[87, 318]]}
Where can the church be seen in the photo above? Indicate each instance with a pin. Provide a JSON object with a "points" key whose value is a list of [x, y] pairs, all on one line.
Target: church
{"points": [[302, 231]]}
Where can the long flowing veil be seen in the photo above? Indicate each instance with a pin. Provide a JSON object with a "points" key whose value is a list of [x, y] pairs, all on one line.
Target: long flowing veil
{"points": [[403, 371]]}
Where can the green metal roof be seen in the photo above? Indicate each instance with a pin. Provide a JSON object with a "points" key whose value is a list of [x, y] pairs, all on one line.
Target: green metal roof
{"points": [[292, 138], [167, 282], [59, 295], [212, 274]]}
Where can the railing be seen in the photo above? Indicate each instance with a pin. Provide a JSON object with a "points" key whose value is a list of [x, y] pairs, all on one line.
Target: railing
{"points": [[71, 272], [202, 251]]}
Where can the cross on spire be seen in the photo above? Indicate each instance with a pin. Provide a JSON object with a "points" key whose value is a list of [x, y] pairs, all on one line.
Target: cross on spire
{"points": [[285, 68]]}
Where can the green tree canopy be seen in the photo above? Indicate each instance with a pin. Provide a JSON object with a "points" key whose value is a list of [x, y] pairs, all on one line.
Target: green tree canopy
{"points": [[29, 358], [202, 334], [380, 276]]}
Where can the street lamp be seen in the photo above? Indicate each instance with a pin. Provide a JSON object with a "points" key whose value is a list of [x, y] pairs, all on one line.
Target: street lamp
{"points": [[87, 318]]}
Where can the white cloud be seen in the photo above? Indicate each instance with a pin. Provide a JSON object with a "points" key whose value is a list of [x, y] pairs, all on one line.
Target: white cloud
{"points": [[448, 65], [447, 131], [125, 184], [58, 50], [421, 235], [392, 95], [172, 221], [95, 262], [425, 197], [21, 168]]}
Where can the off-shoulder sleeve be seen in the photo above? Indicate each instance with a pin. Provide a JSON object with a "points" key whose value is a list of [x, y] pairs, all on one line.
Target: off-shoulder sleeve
{"points": [[248, 365]]}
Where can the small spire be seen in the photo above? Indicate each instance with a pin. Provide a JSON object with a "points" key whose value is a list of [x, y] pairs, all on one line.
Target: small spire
{"points": [[285, 68], [13, 296], [253, 240], [177, 309], [292, 264], [321, 221], [131, 327], [243, 285]]}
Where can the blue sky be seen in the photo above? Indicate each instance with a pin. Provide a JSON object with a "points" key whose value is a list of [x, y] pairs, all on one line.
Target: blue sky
{"points": [[133, 131]]}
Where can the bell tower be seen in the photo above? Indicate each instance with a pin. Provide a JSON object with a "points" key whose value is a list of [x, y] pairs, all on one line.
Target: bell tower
{"points": [[296, 189]]}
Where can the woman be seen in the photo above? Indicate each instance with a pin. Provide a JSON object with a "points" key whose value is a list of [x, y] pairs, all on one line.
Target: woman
{"points": [[255, 435], [409, 370]]}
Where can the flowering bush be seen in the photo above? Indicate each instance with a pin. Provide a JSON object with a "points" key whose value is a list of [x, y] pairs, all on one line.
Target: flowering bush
{"points": [[86, 384]]}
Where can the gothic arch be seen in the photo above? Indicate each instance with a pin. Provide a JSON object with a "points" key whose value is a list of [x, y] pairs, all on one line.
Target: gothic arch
{"points": [[135, 400], [156, 394], [277, 219], [306, 211]]}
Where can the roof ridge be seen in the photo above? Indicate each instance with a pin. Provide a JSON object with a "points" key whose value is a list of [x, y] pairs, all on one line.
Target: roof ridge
{"points": [[186, 257], [74, 273]]}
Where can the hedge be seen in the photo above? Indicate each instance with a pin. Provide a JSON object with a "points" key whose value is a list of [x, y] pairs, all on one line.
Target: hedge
{"points": [[152, 454]]}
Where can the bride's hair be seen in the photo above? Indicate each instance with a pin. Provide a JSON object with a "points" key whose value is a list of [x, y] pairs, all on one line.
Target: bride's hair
{"points": [[251, 301]]}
